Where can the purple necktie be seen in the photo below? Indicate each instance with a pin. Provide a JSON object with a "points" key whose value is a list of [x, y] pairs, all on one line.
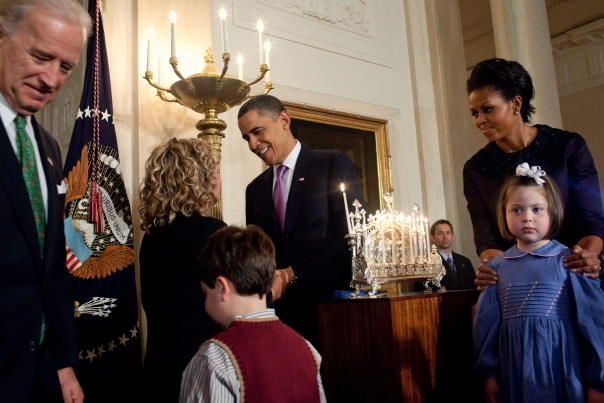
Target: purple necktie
{"points": [[279, 196]]}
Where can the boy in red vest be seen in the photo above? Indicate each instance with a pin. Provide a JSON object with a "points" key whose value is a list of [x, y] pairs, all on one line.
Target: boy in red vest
{"points": [[257, 358]]}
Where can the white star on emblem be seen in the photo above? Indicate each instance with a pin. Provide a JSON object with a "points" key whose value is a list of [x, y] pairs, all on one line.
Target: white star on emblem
{"points": [[111, 346], [133, 332], [123, 339], [87, 111], [91, 355], [105, 115], [112, 239], [80, 114]]}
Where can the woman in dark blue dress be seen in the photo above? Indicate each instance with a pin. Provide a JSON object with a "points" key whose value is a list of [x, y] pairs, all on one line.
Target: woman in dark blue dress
{"points": [[500, 94]]}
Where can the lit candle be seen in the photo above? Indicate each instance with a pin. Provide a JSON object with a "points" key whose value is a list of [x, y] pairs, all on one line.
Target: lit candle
{"points": [[240, 64], [149, 37], [223, 30], [260, 26], [173, 32], [267, 49], [346, 207]]}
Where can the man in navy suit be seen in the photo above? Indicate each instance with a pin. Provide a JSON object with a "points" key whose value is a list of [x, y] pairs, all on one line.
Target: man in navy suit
{"points": [[460, 274], [40, 43], [313, 258]]}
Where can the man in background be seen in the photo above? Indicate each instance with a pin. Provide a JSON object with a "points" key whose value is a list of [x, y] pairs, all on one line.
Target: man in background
{"points": [[299, 204], [40, 43], [460, 273]]}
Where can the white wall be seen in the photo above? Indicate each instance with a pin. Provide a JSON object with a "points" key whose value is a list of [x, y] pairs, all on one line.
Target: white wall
{"points": [[322, 74]]}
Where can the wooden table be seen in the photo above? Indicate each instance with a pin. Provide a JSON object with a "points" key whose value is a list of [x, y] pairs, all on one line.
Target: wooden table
{"points": [[412, 348]]}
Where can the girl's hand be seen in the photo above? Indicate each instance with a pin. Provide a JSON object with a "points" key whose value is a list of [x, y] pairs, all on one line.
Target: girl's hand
{"points": [[491, 390]]}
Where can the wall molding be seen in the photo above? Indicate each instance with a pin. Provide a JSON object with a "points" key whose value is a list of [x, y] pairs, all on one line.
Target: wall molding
{"points": [[579, 58], [354, 28]]}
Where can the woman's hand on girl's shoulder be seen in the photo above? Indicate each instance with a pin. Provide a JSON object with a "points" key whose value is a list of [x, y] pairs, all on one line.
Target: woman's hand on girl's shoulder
{"points": [[486, 276], [593, 396], [583, 261]]}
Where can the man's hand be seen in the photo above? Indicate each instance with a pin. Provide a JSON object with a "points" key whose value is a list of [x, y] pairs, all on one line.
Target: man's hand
{"points": [[72, 392], [281, 281], [583, 261], [486, 276], [491, 390]]}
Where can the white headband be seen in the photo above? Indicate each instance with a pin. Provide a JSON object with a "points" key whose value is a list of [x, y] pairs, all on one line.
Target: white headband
{"points": [[534, 172]]}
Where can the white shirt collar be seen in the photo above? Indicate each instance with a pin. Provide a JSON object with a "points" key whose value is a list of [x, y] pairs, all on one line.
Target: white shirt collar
{"points": [[292, 158]]}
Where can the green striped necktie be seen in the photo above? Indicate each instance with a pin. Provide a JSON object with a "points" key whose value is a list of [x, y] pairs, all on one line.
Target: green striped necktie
{"points": [[29, 170]]}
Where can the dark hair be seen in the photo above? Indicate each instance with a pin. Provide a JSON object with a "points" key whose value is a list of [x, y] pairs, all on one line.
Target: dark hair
{"points": [[433, 227], [245, 256], [266, 105], [555, 206], [507, 78]]}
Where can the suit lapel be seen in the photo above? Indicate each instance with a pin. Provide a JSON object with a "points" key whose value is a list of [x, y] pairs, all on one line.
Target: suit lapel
{"points": [[11, 177], [265, 198], [53, 196], [300, 182]]}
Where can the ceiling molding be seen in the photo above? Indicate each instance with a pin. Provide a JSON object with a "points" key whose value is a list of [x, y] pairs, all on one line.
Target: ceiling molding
{"points": [[579, 37], [552, 5]]}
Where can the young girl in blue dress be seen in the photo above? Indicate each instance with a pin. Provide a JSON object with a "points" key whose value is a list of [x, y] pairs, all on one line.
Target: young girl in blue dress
{"points": [[539, 333]]}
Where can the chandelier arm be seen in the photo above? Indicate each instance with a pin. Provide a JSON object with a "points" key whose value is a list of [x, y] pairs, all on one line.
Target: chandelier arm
{"points": [[174, 63], [162, 96], [149, 77], [263, 69], [225, 59], [267, 87]]}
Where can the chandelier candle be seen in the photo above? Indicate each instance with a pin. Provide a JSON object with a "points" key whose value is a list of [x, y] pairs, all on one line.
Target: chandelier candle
{"points": [[260, 27], [346, 207], [173, 33]]}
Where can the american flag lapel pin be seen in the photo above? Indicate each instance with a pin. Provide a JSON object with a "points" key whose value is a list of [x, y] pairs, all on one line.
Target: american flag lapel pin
{"points": [[50, 161]]}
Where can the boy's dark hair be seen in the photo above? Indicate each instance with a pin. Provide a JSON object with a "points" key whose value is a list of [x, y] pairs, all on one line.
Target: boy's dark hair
{"points": [[266, 105], [245, 256], [555, 206], [507, 78], [433, 227]]}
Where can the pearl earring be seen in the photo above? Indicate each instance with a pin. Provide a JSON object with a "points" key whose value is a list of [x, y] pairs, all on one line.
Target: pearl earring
{"points": [[516, 113]]}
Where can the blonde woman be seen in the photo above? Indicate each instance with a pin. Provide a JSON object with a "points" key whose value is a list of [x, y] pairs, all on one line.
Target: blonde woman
{"points": [[181, 184]]}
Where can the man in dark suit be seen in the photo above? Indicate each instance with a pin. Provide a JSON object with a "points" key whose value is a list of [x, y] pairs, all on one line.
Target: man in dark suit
{"points": [[40, 43], [313, 258], [460, 274]]}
